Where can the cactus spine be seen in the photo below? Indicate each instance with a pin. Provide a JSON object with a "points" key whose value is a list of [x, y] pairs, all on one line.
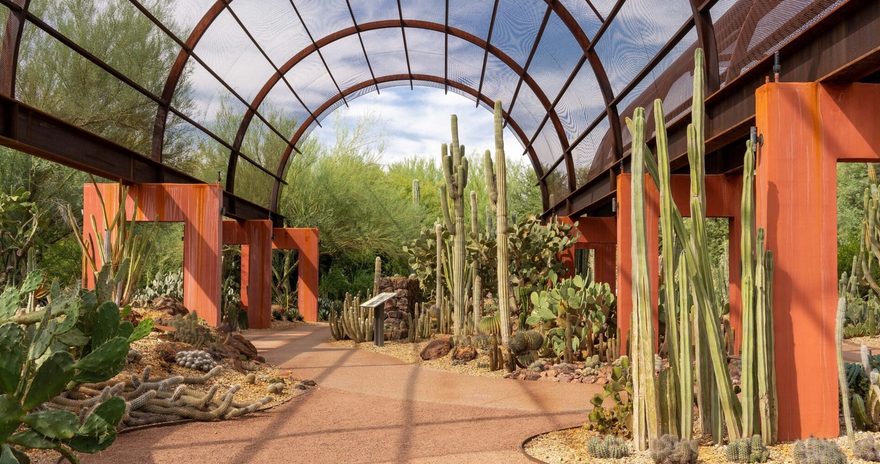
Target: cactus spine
{"points": [[496, 184], [644, 386], [475, 265], [455, 173]]}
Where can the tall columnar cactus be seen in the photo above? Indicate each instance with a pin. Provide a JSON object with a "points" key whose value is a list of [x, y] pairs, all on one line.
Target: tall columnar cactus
{"points": [[673, 340], [475, 265], [455, 173], [841, 371], [496, 184], [645, 406], [377, 275], [695, 245], [685, 364], [764, 347], [747, 258], [416, 193]]}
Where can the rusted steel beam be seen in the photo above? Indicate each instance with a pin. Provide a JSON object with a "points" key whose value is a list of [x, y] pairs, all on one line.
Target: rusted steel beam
{"points": [[363, 47], [405, 47], [486, 50], [702, 20], [320, 55], [844, 39], [57, 35], [29, 130], [386, 24], [303, 128], [446, 47], [10, 47]]}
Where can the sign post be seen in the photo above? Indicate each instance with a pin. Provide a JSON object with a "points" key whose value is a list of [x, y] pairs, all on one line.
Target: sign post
{"points": [[377, 303]]}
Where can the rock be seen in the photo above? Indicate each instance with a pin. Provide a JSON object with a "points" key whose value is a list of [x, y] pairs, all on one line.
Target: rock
{"points": [[564, 378], [309, 383], [251, 378], [590, 379], [532, 376], [436, 349], [241, 345], [169, 305], [301, 386], [464, 354], [601, 380], [167, 351], [276, 388], [565, 368]]}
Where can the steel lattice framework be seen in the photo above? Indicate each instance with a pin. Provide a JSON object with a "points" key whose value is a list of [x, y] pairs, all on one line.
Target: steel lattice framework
{"points": [[567, 71]]}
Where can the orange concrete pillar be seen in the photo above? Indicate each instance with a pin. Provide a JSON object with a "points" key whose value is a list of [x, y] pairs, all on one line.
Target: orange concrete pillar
{"points": [[600, 235], [255, 238], [605, 263], [198, 206], [306, 241], [806, 129]]}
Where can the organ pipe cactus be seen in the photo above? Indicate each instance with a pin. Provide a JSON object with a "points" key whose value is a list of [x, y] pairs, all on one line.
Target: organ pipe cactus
{"points": [[841, 371], [747, 253], [645, 406], [496, 184], [416, 193], [357, 321], [455, 173], [475, 265]]}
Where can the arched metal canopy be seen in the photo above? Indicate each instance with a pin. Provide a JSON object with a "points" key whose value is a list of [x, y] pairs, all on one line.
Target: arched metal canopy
{"points": [[567, 71]]}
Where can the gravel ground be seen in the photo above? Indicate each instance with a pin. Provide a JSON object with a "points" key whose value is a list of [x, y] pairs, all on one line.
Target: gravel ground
{"points": [[871, 342], [569, 446], [409, 353]]}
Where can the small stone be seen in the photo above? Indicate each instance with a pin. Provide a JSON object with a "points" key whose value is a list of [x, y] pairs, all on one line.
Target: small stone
{"points": [[134, 356], [532, 376], [251, 378], [564, 378], [309, 383]]}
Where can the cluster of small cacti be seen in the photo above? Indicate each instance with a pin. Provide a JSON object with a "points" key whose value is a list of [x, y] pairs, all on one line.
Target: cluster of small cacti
{"points": [[189, 329], [419, 324], [815, 451], [669, 449], [609, 447], [524, 345], [195, 359], [747, 450], [866, 449], [354, 322]]}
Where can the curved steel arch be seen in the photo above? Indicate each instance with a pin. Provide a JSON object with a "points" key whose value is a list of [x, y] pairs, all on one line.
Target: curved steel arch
{"points": [[376, 25], [303, 128]]}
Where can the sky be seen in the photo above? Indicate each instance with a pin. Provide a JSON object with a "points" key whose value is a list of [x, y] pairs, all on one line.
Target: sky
{"points": [[416, 122]]}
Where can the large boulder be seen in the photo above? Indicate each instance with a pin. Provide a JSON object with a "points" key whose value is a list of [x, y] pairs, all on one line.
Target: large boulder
{"points": [[436, 349]]}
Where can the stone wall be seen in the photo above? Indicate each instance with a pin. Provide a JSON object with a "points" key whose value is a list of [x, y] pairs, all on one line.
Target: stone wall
{"points": [[397, 308]]}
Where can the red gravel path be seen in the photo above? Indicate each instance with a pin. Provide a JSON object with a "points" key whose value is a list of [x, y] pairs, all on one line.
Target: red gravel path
{"points": [[367, 408]]}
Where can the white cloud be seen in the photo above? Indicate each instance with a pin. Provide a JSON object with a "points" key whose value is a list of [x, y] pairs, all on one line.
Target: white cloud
{"points": [[416, 122]]}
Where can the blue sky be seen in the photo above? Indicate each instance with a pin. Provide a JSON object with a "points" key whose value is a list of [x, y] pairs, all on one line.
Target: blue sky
{"points": [[415, 122]]}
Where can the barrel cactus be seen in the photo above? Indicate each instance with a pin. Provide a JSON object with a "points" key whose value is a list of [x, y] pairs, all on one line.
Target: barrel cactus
{"points": [[815, 451], [669, 449], [195, 359], [866, 449], [747, 450]]}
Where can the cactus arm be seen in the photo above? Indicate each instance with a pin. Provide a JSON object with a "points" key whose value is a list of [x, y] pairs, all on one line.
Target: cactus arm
{"points": [[747, 260], [501, 232]]}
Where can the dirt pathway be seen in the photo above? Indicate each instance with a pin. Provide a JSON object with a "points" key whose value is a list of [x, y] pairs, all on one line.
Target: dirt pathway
{"points": [[367, 408]]}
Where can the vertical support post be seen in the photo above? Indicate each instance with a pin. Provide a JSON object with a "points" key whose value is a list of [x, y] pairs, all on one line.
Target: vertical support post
{"points": [[256, 273], [306, 241], [379, 324], [605, 265], [806, 128]]}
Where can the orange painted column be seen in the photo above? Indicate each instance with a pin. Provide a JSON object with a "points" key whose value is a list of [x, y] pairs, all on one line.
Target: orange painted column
{"points": [[198, 206], [255, 238], [305, 240], [600, 235], [806, 129]]}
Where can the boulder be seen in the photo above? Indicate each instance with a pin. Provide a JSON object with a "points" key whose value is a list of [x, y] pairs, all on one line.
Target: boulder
{"points": [[436, 349], [464, 354]]}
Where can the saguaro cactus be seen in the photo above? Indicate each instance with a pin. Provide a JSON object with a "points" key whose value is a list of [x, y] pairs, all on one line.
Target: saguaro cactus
{"points": [[455, 172], [496, 184]]}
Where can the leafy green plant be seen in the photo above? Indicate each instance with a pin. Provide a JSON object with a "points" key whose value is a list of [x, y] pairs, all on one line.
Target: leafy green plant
{"points": [[616, 419], [72, 340]]}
